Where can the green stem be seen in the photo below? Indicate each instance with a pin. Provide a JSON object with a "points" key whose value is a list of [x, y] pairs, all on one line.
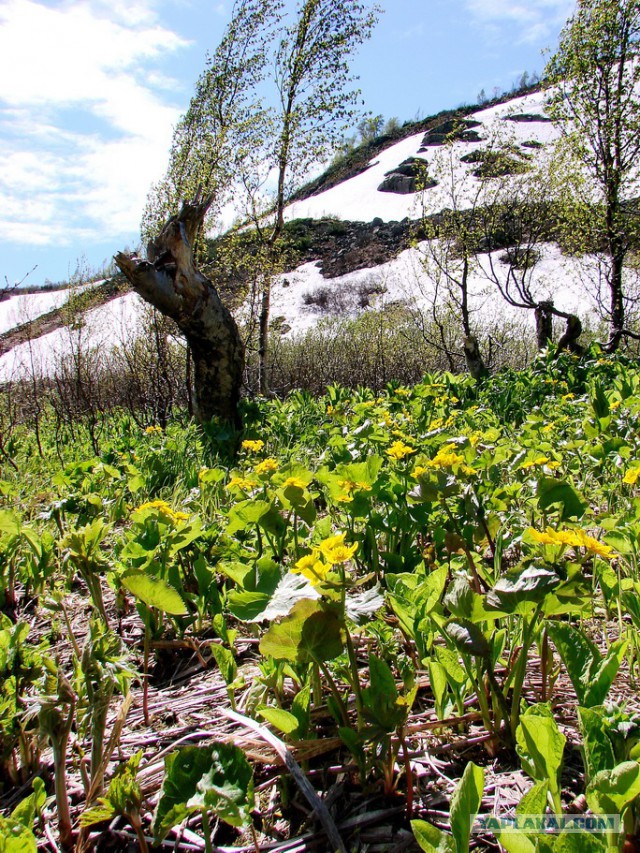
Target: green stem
{"points": [[353, 661], [355, 677], [335, 692], [136, 823], [72, 636], [206, 828], [145, 670], [295, 534], [521, 668], [99, 709]]}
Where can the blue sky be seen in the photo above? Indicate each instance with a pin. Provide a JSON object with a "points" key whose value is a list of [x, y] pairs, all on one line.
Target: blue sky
{"points": [[91, 89]]}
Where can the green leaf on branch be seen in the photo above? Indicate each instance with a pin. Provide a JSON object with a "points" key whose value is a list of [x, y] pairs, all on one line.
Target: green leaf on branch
{"points": [[540, 746], [531, 586], [467, 638], [611, 791], [465, 804]]}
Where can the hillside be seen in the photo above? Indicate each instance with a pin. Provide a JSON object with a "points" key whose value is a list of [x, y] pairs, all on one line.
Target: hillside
{"points": [[355, 236]]}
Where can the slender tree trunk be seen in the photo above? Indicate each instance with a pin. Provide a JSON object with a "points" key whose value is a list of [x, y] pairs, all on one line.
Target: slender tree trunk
{"points": [[616, 303], [616, 251], [473, 357], [263, 335], [472, 354], [170, 282]]}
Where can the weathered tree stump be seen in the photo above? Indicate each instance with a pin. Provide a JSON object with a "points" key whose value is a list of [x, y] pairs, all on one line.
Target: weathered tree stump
{"points": [[168, 280]]}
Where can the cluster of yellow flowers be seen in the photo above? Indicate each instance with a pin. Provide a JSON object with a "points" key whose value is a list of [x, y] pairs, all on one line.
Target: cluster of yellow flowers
{"points": [[151, 429], [572, 538], [540, 460], [244, 483], [446, 457], [253, 446], [267, 466], [328, 553], [349, 487], [163, 508], [399, 450], [295, 482]]}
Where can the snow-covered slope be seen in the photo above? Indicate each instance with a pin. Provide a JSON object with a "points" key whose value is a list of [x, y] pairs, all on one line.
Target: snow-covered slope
{"points": [[359, 198], [110, 325], [302, 297], [26, 307]]}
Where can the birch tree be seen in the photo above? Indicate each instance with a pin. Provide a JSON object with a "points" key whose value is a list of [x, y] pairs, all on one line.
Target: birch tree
{"points": [[594, 103]]}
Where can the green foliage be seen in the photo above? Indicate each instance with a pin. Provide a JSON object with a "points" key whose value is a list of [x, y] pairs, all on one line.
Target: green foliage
{"points": [[540, 745], [591, 673], [215, 779], [465, 804], [359, 541]]}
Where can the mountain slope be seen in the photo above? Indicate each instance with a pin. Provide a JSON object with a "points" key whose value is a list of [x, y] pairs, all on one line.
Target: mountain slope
{"points": [[357, 244]]}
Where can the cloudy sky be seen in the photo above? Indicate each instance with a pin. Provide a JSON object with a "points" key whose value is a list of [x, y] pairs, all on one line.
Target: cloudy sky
{"points": [[91, 89]]}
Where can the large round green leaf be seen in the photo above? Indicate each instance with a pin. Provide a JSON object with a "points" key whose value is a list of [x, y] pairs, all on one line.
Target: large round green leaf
{"points": [[154, 592], [312, 632]]}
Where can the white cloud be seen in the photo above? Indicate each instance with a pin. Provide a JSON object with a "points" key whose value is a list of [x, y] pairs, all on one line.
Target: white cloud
{"points": [[536, 19], [86, 120]]}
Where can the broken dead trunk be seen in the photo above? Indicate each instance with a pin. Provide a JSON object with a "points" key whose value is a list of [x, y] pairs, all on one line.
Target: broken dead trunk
{"points": [[169, 281]]}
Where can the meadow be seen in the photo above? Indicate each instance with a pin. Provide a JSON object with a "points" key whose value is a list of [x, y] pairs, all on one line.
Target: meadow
{"points": [[356, 625]]}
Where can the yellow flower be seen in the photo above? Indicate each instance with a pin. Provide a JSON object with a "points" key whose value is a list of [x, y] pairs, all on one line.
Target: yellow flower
{"points": [[151, 429], [632, 474], [350, 486], [403, 392], [446, 457], [541, 460], [399, 434], [294, 482], [244, 483], [311, 567], [253, 446], [161, 506], [418, 471], [267, 466], [334, 549], [554, 537], [568, 396], [399, 450], [331, 410], [163, 509], [595, 546], [573, 539]]}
